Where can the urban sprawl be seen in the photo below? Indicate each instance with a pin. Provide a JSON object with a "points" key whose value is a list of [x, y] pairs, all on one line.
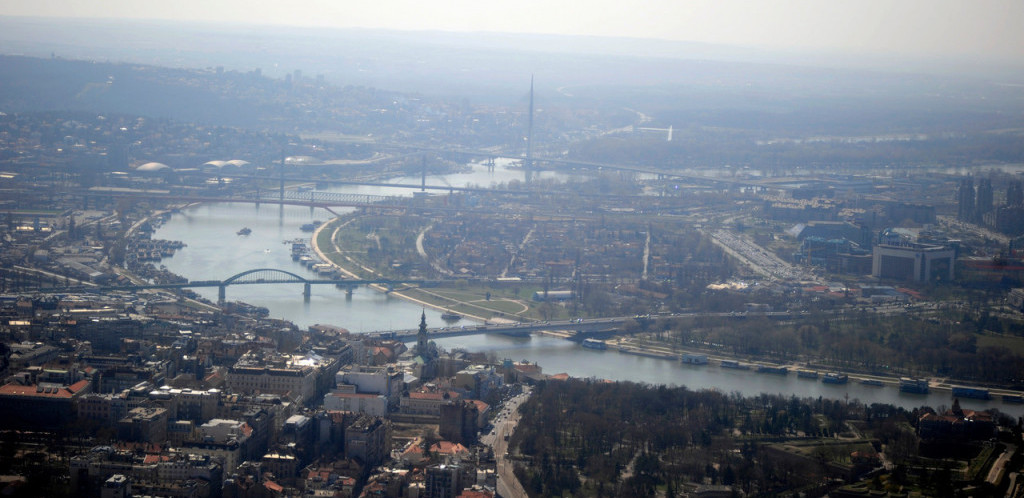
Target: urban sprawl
{"points": [[119, 379]]}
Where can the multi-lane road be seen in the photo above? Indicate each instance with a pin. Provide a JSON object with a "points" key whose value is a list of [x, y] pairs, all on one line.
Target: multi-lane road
{"points": [[504, 424], [758, 258]]}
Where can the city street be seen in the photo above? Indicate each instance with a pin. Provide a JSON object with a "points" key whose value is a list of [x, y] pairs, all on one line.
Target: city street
{"points": [[504, 425]]}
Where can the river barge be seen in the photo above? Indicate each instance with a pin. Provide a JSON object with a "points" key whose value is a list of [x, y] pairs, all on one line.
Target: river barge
{"points": [[971, 392], [769, 369], [449, 316], [835, 378], [913, 386]]}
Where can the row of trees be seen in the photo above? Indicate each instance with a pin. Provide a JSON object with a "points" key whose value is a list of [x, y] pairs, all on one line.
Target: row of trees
{"points": [[863, 341]]}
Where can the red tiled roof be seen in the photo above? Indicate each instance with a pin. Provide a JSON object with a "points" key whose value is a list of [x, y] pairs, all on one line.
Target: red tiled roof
{"points": [[469, 493], [413, 449], [33, 391], [448, 448], [383, 350], [148, 448], [78, 386], [434, 396]]}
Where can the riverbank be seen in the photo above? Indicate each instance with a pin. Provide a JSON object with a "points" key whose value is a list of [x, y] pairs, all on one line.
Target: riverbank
{"points": [[350, 271], [635, 346], [137, 280], [638, 347], [214, 252]]}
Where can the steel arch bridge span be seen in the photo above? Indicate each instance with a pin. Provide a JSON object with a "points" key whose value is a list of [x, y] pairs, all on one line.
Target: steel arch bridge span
{"points": [[278, 276], [265, 275]]}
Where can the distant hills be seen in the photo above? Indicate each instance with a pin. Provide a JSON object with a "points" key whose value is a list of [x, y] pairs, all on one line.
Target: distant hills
{"points": [[32, 84], [479, 66], [236, 75]]}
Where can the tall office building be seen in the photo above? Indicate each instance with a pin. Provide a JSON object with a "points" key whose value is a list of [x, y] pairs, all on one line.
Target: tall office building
{"points": [[965, 200], [1014, 194], [983, 199]]}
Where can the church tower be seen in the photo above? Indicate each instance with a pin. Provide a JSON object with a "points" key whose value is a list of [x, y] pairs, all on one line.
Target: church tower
{"points": [[421, 336]]}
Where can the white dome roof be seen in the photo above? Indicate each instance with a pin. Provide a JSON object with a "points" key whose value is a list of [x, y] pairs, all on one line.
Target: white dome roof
{"points": [[301, 160], [151, 167]]}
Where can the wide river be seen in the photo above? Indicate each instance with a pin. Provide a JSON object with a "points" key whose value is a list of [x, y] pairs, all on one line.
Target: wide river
{"points": [[214, 251]]}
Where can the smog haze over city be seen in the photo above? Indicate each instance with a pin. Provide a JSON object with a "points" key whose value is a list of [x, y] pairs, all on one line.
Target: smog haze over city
{"points": [[516, 249]]}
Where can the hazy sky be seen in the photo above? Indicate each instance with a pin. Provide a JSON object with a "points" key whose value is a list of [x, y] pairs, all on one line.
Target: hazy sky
{"points": [[960, 28]]}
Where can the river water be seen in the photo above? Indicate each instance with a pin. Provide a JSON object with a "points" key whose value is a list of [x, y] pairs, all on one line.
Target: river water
{"points": [[214, 251]]}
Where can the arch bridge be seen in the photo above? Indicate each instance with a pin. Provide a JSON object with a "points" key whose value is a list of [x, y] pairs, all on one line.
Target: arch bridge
{"points": [[264, 276], [278, 276], [257, 276]]}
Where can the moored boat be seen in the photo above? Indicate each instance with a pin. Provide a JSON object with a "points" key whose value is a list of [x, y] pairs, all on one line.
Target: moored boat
{"points": [[913, 386], [835, 378], [450, 316], [772, 370], [970, 392]]}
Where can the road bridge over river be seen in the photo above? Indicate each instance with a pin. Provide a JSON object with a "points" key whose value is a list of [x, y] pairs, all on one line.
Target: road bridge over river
{"points": [[257, 276], [514, 328], [273, 276], [291, 197], [591, 165], [584, 326]]}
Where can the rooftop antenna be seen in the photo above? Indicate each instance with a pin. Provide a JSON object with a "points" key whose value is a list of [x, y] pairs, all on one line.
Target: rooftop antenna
{"points": [[529, 138]]}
